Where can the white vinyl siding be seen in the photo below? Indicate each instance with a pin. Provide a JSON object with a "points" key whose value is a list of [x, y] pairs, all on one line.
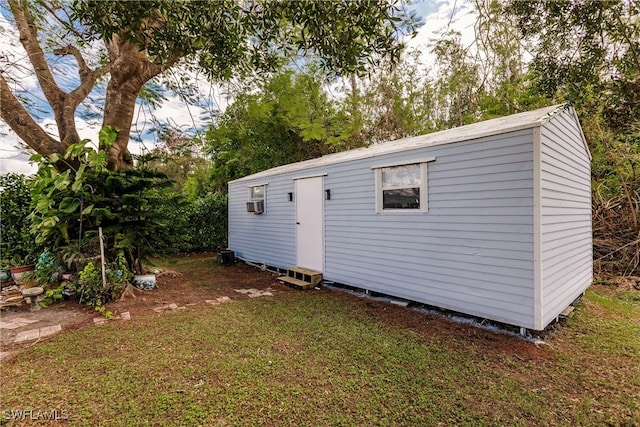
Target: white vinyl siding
{"points": [[268, 238], [471, 253], [566, 215], [475, 251]]}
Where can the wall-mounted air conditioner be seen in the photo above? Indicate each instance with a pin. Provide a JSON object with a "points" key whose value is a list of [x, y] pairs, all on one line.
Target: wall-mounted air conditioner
{"points": [[255, 206]]}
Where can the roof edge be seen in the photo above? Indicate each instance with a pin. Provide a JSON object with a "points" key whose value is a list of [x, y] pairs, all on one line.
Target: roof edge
{"points": [[449, 136]]}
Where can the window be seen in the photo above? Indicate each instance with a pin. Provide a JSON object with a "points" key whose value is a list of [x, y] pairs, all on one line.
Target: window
{"points": [[402, 187], [256, 201], [256, 193]]}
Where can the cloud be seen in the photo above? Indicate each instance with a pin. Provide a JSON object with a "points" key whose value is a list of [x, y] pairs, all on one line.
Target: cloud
{"points": [[14, 58], [441, 16], [13, 158]]}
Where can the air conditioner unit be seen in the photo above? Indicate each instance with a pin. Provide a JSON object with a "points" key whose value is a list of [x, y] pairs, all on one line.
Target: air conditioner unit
{"points": [[255, 206]]}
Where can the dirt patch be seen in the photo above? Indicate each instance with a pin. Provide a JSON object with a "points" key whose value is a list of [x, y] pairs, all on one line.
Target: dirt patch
{"points": [[435, 329], [193, 280]]}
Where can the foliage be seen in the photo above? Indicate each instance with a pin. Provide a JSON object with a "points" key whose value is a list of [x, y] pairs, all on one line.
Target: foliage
{"points": [[208, 222], [136, 42], [17, 244], [588, 53], [289, 119], [216, 34], [47, 270], [396, 102], [53, 295], [61, 200], [458, 86], [91, 289], [70, 206], [90, 285]]}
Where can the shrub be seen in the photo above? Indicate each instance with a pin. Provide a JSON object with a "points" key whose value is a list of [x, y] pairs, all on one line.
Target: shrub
{"points": [[17, 245], [208, 222]]}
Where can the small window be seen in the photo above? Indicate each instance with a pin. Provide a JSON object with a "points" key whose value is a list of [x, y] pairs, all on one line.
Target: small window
{"points": [[402, 187], [256, 193], [256, 202]]}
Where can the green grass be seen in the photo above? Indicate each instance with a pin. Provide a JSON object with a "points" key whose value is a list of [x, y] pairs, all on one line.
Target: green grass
{"points": [[312, 358]]}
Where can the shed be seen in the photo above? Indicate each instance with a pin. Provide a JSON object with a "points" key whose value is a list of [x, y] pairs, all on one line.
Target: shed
{"points": [[491, 219]]}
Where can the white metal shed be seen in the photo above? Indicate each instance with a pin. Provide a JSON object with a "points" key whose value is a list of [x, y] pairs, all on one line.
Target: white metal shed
{"points": [[491, 219]]}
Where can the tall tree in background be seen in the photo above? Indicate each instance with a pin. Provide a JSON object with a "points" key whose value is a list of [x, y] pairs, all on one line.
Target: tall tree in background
{"points": [[588, 53], [396, 102], [508, 86], [459, 87], [142, 39], [287, 119]]}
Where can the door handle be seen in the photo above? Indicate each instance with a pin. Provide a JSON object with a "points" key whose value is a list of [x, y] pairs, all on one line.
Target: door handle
{"points": [[298, 222]]}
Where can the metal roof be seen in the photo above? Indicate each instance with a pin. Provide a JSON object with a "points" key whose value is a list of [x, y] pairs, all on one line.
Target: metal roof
{"points": [[515, 122]]}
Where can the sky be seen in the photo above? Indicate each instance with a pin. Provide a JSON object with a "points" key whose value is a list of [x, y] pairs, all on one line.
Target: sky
{"points": [[437, 15]]}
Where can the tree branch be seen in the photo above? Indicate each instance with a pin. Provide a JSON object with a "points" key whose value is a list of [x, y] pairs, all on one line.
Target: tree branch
{"points": [[75, 52], [29, 39], [17, 117]]}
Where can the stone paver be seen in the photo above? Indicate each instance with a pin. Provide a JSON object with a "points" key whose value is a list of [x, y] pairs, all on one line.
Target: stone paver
{"points": [[50, 330], [16, 322], [9, 325], [32, 334], [173, 306], [255, 293]]}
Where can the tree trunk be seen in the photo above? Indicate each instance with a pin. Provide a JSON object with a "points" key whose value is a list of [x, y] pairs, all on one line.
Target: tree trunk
{"points": [[130, 70]]}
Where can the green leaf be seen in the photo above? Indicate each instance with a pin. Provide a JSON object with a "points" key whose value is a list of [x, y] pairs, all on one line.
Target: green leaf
{"points": [[43, 204], [69, 205], [107, 136], [76, 186], [87, 210]]}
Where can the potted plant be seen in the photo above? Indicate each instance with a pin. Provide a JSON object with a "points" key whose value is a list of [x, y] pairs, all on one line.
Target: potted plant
{"points": [[5, 274], [20, 268]]}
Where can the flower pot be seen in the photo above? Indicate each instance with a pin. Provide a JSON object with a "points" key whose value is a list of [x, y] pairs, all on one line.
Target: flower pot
{"points": [[5, 275], [18, 272], [144, 281]]}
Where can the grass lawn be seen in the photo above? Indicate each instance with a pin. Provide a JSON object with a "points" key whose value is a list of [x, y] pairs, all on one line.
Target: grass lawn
{"points": [[330, 358]]}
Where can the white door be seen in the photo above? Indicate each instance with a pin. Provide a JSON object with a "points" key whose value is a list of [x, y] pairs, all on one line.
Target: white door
{"points": [[310, 223]]}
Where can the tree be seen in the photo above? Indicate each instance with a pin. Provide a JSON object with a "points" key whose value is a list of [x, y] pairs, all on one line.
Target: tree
{"points": [[287, 119], [143, 39], [459, 86], [588, 53], [508, 87], [395, 102]]}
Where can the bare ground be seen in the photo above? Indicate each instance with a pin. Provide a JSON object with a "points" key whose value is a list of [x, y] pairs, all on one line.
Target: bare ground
{"points": [[195, 279]]}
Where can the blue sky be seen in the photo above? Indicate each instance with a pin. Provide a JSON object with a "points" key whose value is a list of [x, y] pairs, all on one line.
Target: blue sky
{"points": [[437, 16]]}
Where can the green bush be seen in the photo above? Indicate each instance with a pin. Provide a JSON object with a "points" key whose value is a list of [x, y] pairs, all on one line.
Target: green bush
{"points": [[208, 222], [17, 245]]}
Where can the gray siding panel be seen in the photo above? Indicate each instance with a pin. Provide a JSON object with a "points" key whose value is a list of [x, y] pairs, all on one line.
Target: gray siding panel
{"points": [[472, 252], [566, 240], [268, 238]]}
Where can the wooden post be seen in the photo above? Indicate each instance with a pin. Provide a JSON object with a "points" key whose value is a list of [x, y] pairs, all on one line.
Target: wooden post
{"points": [[102, 261]]}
